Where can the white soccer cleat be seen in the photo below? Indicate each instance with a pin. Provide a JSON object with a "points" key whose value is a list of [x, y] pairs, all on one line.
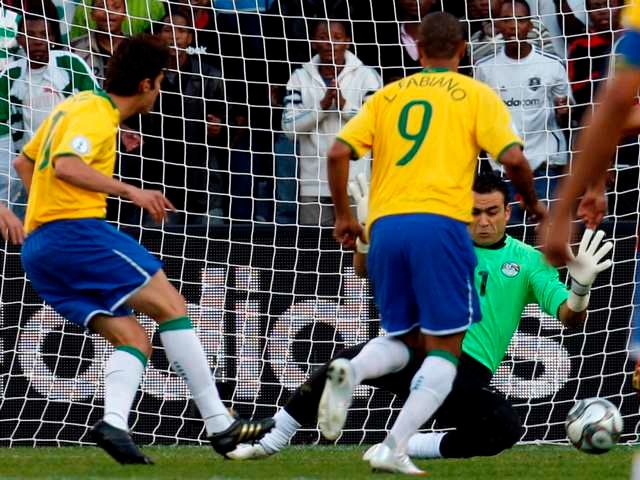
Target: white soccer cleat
{"points": [[245, 451], [336, 398], [383, 459], [371, 451]]}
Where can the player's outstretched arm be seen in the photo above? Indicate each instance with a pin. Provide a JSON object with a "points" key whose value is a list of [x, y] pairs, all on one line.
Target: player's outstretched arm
{"points": [[24, 166], [519, 172], [583, 270], [359, 190], [11, 227], [73, 170]]}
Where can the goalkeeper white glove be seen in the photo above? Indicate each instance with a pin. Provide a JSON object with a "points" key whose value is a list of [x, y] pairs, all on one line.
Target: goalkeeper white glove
{"points": [[585, 267], [8, 28], [359, 190]]}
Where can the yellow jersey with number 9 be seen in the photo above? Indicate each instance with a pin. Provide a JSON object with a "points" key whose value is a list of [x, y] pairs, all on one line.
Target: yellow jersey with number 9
{"points": [[425, 133], [85, 125]]}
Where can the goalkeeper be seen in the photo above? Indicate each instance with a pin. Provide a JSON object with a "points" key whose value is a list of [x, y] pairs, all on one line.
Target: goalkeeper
{"points": [[485, 422]]}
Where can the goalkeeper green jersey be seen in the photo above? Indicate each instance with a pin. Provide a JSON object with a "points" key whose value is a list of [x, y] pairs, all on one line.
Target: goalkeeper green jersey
{"points": [[509, 275]]}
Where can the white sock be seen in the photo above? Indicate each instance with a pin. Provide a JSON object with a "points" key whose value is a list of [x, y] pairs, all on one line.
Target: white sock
{"points": [[278, 438], [185, 353], [378, 357], [425, 445], [429, 388], [121, 380]]}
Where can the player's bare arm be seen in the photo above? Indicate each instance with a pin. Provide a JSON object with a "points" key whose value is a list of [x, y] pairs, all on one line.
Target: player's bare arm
{"points": [[347, 229], [519, 172], [11, 227], [73, 170], [24, 166]]}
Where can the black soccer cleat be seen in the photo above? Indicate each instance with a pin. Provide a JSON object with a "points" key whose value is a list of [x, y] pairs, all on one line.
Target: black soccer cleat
{"points": [[117, 443], [240, 431]]}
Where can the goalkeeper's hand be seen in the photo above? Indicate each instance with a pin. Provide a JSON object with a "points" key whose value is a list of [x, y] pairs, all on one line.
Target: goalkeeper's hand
{"points": [[8, 28], [359, 190], [585, 267]]}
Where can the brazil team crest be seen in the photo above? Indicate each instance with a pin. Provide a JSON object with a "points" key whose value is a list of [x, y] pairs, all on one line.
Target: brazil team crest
{"points": [[510, 269]]}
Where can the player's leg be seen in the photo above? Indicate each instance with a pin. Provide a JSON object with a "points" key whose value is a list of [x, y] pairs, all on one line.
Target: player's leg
{"points": [[162, 302], [447, 306], [390, 273], [485, 422]]}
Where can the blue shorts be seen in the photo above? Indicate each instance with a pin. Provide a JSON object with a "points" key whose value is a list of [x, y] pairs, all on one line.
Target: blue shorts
{"points": [[421, 267], [86, 267], [629, 49]]}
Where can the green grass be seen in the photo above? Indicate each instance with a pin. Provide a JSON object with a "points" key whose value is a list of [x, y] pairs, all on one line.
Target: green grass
{"points": [[184, 463]]}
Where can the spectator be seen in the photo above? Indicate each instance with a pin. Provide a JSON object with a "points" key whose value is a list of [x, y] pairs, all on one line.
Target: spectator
{"points": [[389, 41], [589, 54], [562, 18], [8, 43], [321, 96], [96, 47], [186, 126], [31, 87], [488, 40], [140, 15], [534, 85]]}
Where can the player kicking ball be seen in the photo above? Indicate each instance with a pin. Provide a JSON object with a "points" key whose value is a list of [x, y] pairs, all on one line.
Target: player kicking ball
{"points": [[94, 275], [485, 422], [426, 132]]}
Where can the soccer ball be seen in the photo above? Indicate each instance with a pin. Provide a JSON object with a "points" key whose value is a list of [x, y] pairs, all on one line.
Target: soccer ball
{"points": [[594, 425]]}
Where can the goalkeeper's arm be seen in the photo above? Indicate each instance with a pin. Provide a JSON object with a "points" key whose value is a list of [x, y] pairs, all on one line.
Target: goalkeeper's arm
{"points": [[359, 190]]}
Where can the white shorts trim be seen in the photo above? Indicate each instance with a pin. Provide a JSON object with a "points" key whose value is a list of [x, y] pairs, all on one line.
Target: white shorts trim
{"points": [[147, 279], [88, 318]]}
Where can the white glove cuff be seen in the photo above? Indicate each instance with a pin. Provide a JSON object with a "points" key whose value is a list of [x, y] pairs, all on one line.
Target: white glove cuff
{"points": [[580, 289], [362, 247], [578, 303]]}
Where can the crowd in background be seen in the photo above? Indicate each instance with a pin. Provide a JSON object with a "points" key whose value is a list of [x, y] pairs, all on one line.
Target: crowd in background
{"points": [[258, 89]]}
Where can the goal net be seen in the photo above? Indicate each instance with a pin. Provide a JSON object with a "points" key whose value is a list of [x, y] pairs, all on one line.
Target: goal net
{"points": [[238, 141]]}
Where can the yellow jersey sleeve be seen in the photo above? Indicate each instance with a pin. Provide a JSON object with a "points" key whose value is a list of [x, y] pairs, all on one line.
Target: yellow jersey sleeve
{"points": [[81, 139], [32, 148], [631, 15], [493, 125], [358, 132]]}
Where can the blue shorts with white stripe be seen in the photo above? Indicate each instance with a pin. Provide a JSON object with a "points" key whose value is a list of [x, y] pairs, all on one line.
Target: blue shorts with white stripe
{"points": [[86, 267], [421, 267]]}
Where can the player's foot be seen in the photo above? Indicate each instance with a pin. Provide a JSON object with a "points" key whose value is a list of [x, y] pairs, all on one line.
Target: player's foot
{"points": [[246, 451], [336, 398], [240, 431], [371, 451], [117, 443], [383, 459]]}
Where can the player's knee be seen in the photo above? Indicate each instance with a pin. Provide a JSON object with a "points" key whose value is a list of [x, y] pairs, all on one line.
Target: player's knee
{"points": [[507, 428]]}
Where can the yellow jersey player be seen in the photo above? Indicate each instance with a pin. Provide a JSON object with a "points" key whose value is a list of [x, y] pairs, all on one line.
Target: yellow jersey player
{"points": [[596, 145], [425, 133], [94, 275]]}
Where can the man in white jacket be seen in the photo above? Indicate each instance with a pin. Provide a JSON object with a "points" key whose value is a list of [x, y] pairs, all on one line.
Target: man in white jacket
{"points": [[321, 97]]}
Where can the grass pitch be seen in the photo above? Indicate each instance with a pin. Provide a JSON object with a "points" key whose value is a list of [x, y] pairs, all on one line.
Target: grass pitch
{"points": [[306, 463]]}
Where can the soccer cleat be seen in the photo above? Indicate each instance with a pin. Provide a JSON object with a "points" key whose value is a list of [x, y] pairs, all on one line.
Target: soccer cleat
{"points": [[383, 459], [336, 398], [117, 443], [371, 451], [240, 431], [246, 451]]}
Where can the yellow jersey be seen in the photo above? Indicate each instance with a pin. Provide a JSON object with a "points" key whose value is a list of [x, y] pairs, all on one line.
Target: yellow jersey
{"points": [[631, 15], [85, 125], [425, 133]]}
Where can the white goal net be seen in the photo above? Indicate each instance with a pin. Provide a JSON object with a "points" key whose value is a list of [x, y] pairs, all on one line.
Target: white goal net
{"points": [[238, 140]]}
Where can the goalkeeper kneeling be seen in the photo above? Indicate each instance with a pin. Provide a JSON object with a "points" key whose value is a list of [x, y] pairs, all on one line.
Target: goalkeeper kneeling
{"points": [[510, 274]]}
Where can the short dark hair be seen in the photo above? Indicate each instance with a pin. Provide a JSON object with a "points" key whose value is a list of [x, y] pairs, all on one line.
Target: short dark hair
{"points": [[40, 16], [176, 11], [518, 2], [440, 35], [136, 59], [489, 182], [316, 22]]}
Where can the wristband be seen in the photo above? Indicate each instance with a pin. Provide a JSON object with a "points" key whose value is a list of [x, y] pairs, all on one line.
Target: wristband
{"points": [[580, 289], [362, 247], [578, 303]]}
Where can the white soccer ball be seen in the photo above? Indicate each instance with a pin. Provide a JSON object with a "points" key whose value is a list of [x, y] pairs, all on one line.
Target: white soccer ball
{"points": [[594, 425]]}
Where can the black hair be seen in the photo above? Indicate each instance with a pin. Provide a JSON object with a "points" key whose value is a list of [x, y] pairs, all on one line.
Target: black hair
{"points": [[489, 182], [440, 35], [136, 59], [519, 2], [40, 11], [316, 22], [177, 11]]}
